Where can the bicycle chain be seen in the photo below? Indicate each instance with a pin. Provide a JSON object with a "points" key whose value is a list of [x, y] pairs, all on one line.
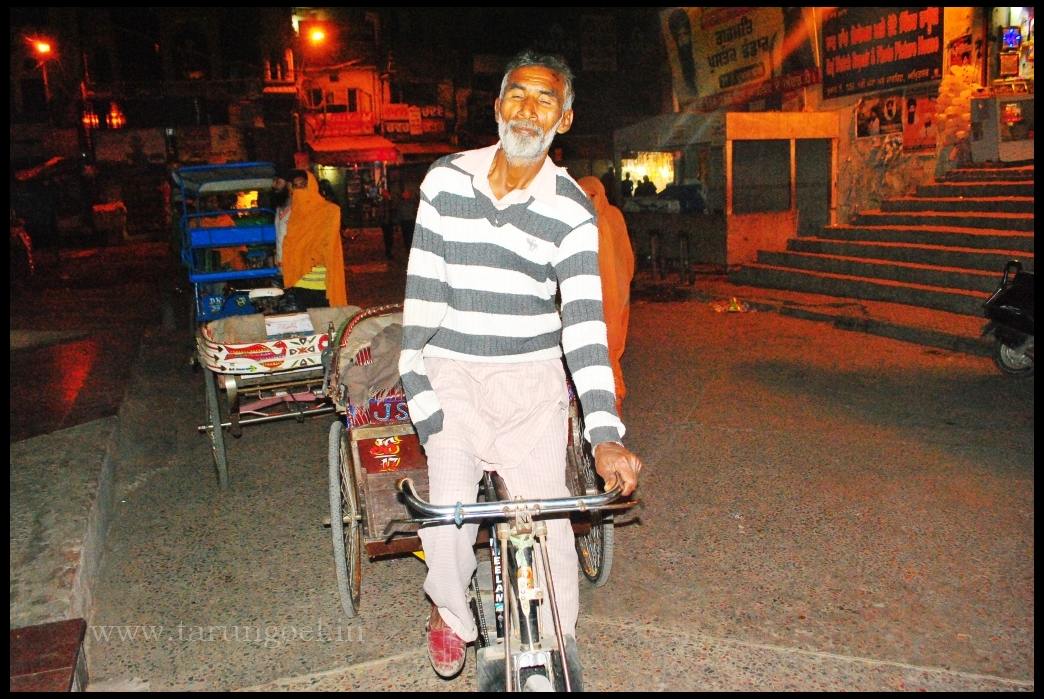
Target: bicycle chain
{"points": [[476, 591]]}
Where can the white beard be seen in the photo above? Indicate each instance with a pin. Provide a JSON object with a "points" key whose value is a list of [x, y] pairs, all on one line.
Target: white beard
{"points": [[523, 146]]}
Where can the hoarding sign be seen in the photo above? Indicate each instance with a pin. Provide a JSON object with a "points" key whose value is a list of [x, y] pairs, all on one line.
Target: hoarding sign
{"points": [[721, 56], [870, 49]]}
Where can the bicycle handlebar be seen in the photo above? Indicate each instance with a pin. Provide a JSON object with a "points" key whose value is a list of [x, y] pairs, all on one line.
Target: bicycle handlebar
{"points": [[461, 512]]}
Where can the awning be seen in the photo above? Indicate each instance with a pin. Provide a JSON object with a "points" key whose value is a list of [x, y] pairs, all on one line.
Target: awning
{"points": [[224, 177], [426, 148], [346, 150]]}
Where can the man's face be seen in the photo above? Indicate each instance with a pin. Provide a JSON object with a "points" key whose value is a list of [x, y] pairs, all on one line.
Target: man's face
{"points": [[300, 182], [531, 111]]}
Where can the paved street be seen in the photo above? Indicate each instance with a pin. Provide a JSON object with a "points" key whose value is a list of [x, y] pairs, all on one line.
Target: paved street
{"points": [[76, 330], [822, 510]]}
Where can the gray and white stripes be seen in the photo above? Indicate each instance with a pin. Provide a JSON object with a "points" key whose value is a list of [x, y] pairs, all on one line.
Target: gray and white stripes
{"points": [[482, 280]]}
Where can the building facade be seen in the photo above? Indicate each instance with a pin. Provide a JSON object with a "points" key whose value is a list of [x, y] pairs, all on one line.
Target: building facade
{"points": [[799, 117], [368, 102]]}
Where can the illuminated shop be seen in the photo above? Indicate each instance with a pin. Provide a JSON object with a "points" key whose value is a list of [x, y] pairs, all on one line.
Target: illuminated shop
{"points": [[1002, 122]]}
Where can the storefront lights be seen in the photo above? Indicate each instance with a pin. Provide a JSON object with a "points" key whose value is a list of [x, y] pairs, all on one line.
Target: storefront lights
{"points": [[90, 118]]}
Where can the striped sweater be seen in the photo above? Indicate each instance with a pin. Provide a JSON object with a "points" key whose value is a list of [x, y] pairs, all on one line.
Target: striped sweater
{"points": [[482, 279]]}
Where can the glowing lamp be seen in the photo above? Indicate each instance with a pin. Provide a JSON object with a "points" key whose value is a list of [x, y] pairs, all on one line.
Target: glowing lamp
{"points": [[115, 119]]}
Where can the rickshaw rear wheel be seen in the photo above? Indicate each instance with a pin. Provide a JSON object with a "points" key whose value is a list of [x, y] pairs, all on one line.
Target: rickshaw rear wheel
{"points": [[344, 520], [595, 548], [215, 431]]}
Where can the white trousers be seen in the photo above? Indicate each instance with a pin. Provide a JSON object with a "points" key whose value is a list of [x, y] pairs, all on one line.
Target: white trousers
{"points": [[512, 419]]}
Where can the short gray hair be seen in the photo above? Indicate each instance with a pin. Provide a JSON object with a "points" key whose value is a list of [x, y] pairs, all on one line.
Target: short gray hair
{"points": [[532, 58]]}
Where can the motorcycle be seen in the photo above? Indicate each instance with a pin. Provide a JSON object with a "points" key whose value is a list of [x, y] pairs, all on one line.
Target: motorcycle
{"points": [[1010, 313]]}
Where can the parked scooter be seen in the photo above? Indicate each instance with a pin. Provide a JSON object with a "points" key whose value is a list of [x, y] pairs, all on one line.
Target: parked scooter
{"points": [[1010, 312]]}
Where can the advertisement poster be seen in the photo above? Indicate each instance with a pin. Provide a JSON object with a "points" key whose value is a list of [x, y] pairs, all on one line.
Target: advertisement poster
{"points": [[879, 116], [919, 123], [721, 56], [959, 51], [337, 124], [869, 49]]}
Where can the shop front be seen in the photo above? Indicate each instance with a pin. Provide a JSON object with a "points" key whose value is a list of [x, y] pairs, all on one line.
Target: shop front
{"points": [[763, 177], [356, 168], [1002, 114]]}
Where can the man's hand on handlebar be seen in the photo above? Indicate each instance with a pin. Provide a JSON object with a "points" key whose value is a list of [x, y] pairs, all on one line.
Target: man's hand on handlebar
{"points": [[617, 466]]}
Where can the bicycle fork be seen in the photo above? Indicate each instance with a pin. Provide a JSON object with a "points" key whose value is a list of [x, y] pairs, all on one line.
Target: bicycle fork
{"points": [[524, 595]]}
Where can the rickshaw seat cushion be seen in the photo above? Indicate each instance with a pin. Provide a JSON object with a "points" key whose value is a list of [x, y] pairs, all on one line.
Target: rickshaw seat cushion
{"points": [[374, 370]]}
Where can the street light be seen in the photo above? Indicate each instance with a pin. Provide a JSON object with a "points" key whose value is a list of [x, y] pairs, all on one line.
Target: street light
{"points": [[315, 41], [44, 50], [317, 36]]}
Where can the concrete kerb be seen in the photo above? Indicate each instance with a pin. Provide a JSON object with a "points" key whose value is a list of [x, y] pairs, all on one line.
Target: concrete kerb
{"points": [[58, 518], [98, 520], [68, 594], [101, 512]]}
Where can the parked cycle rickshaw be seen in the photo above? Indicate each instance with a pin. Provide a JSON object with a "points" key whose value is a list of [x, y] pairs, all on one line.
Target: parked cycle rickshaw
{"points": [[373, 445], [375, 454], [260, 360]]}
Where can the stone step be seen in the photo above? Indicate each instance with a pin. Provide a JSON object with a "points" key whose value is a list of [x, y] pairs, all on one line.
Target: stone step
{"points": [[1011, 205], [943, 236], [998, 221], [923, 274], [1005, 188], [964, 258], [980, 174], [950, 300]]}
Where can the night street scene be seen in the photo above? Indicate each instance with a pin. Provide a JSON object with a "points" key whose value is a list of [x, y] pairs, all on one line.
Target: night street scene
{"points": [[514, 349]]}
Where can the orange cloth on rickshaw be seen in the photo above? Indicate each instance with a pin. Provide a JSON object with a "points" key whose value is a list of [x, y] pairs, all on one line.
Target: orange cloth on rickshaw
{"points": [[233, 257], [616, 267], [313, 237]]}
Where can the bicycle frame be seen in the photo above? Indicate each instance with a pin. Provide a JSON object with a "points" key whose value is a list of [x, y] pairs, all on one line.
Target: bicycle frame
{"points": [[515, 530]]}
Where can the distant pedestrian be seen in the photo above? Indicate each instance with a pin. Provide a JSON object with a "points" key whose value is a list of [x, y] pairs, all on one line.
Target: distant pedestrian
{"points": [[646, 188], [407, 202], [609, 185], [626, 186], [389, 213]]}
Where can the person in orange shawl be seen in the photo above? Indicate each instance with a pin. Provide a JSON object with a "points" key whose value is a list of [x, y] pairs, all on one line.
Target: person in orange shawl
{"points": [[313, 260], [616, 266]]}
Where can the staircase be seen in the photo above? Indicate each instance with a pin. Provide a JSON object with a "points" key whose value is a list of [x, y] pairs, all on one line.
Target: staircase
{"points": [[943, 248]]}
